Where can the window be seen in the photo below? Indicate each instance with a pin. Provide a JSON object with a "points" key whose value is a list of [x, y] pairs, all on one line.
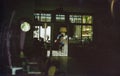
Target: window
{"points": [[75, 18], [60, 18], [42, 32], [87, 19], [87, 33], [37, 16], [81, 34], [36, 32], [84, 19], [43, 17]]}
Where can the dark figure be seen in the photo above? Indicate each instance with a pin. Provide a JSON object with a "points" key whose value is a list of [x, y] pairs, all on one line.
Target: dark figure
{"points": [[39, 51]]}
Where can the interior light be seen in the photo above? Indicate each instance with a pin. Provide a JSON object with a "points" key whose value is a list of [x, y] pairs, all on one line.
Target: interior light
{"points": [[25, 26]]}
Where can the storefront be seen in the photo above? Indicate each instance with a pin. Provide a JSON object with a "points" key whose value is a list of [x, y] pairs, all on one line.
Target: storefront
{"points": [[77, 30]]}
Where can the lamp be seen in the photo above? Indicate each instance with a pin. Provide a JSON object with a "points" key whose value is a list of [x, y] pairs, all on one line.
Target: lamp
{"points": [[63, 29], [25, 26]]}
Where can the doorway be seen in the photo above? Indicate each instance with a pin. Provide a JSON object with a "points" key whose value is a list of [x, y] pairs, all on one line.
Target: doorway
{"points": [[60, 40], [51, 35]]}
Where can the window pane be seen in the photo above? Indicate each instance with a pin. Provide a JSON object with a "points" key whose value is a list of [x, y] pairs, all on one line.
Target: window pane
{"points": [[87, 19], [42, 17], [75, 18], [36, 32], [60, 18], [87, 34], [44, 32], [37, 16]]}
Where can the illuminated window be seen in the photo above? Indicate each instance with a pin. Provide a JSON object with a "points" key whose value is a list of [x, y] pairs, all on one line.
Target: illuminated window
{"points": [[45, 32], [60, 18], [37, 16], [75, 18], [77, 32], [45, 17], [81, 34], [87, 33], [36, 32], [87, 19], [42, 32], [42, 17]]}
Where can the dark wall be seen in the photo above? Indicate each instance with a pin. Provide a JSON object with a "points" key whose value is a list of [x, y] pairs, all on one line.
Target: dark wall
{"points": [[106, 29]]}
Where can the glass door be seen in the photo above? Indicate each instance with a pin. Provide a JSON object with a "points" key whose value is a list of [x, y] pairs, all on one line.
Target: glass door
{"points": [[60, 40]]}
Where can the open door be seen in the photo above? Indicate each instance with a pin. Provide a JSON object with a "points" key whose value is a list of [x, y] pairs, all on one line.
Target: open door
{"points": [[51, 35], [60, 40]]}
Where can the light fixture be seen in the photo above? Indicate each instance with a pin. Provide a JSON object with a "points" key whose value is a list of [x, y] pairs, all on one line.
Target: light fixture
{"points": [[25, 26], [63, 29]]}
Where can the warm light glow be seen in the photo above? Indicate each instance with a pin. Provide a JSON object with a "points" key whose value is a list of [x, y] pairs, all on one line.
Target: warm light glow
{"points": [[87, 32], [63, 29]]}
